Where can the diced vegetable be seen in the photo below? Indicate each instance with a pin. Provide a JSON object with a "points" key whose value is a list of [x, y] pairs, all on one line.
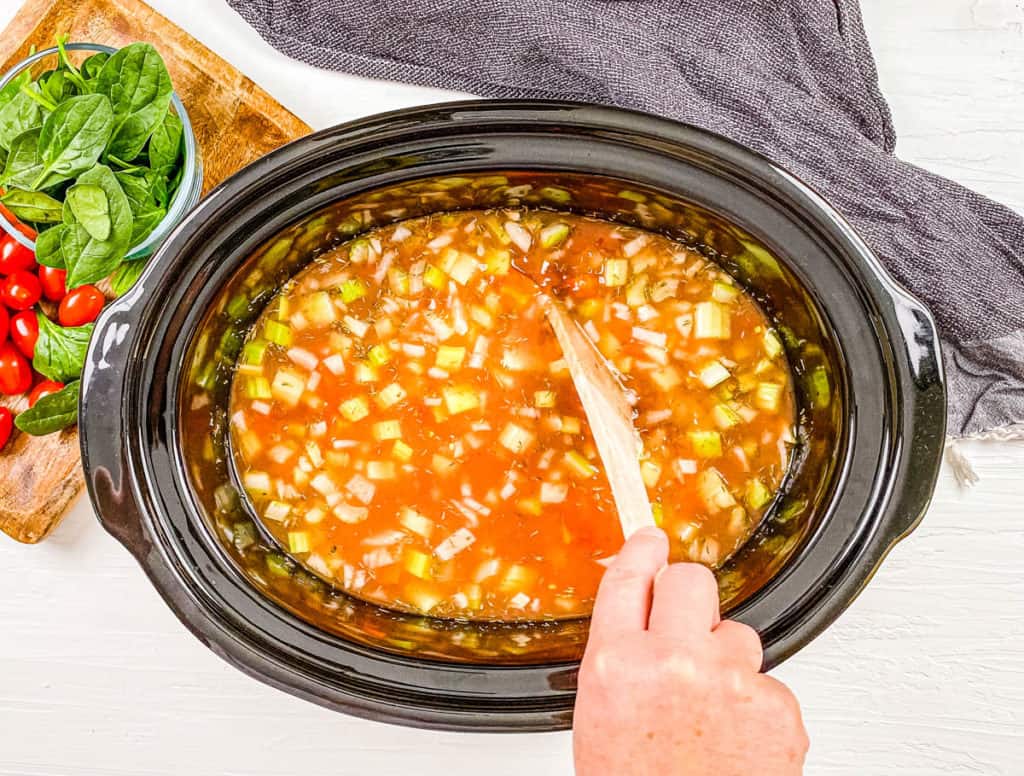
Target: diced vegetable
{"points": [[757, 495], [553, 492], [277, 332], [298, 541], [288, 386], [454, 544], [616, 272], [724, 292], [416, 563], [319, 309], [579, 465], [499, 262], [713, 491], [257, 388], [772, 344], [711, 321], [667, 378], [553, 235], [387, 429], [706, 444], [450, 357], [401, 451], [378, 355], [725, 416], [356, 408], [390, 395], [380, 470], [460, 398], [415, 522], [713, 374], [257, 483], [351, 290], [515, 438], [650, 472], [544, 399], [768, 396]]}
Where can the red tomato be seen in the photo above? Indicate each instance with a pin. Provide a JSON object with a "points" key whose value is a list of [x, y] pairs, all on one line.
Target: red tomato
{"points": [[6, 426], [81, 306], [45, 388], [52, 281], [20, 290], [15, 373], [14, 256], [5, 322], [25, 332]]}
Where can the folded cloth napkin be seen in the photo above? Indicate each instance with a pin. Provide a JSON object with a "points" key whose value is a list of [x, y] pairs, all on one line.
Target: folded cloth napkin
{"points": [[793, 79]]}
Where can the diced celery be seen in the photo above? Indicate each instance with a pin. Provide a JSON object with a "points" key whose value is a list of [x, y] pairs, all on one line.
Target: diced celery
{"points": [[278, 565], [818, 387], [254, 351], [757, 495], [277, 332], [616, 272], [499, 262], [515, 438], [319, 309], [237, 307], [664, 289], [416, 563], [767, 396], [570, 425], [666, 378], [579, 465], [276, 510], [243, 535], [706, 444], [636, 292], [772, 344], [355, 409], [544, 399], [364, 373], [390, 395], [352, 289], [387, 429], [359, 251], [725, 416], [650, 472], [449, 357], [257, 483], [422, 597], [378, 355], [416, 522], [724, 292], [713, 492], [434, 277], [298, 541], [398, 280], [463, 269], [713, 374], [530, 506], [380, 470], [557, 195], [632, 196], [711, 321], [460, 398], [257, 388], [553, 235], [288, 386], [658, 513], [402, 451], [251, 444]]}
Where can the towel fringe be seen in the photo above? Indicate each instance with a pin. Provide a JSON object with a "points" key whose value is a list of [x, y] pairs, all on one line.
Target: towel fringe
{"points": [[958, 460]]}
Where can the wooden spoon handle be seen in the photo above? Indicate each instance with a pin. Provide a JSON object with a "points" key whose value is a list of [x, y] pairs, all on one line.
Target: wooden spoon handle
{"points": [[609, 415]]}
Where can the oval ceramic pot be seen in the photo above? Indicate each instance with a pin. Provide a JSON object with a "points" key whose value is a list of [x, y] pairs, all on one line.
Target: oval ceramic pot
{"points": [[153, 429]]}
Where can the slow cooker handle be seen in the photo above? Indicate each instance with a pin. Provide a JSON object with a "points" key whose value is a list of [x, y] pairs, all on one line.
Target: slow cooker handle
{"points": [[103, 430], [923, 404]]}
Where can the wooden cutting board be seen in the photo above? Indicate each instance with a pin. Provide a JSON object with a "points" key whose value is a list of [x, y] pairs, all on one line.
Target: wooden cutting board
{"points": [[235, 122]]}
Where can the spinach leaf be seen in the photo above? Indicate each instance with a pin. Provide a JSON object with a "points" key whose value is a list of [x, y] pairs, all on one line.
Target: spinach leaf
{"points": [[23, 164], [165, 144], [48, 252], [19, 115], [57, 86], [89, 260], [34, 206], [60, 350], [139, 87], [24, 78], [73, 137], [91, 67], [89, 206], [142, 192], [124, 278], [145, 223], [51, 413]]}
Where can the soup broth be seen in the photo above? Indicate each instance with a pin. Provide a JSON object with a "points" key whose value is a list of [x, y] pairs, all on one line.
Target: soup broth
{"points": [[405, 425]]}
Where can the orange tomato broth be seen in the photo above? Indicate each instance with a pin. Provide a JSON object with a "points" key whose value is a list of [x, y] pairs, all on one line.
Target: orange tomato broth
{"points": [[404, 423]]}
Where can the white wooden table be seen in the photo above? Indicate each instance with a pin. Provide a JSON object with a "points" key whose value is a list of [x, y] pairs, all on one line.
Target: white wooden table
{"points": [[923, 675]]}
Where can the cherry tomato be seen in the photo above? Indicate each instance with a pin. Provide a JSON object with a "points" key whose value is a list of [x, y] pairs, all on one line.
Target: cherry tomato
{"points": [[81, 306], [14, 257], [5, 322], [6, 426], [52, 281], [20, 290], [25, 332], [45, 388], [15, 373]]}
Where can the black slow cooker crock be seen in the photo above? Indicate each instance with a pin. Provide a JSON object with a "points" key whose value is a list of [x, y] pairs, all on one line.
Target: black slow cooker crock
{"points": [[154, 407]]}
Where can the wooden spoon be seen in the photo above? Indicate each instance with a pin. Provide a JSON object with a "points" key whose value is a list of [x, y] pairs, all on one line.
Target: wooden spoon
{"points": [[609, 414]]}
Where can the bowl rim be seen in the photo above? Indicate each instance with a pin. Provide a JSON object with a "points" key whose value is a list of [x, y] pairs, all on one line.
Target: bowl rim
{"points": [[185, 197], [113, 485]]}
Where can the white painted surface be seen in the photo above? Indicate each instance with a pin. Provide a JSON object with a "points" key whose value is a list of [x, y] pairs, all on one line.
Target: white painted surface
{"points": [[923, 675]]}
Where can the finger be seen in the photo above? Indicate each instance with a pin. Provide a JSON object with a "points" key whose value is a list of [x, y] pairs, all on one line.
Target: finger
{"points": [[624, 597], [685, 600], [740, 642]]}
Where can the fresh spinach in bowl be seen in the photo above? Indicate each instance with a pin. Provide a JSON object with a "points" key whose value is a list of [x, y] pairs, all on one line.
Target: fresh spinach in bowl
{"points": [[91, 157]]}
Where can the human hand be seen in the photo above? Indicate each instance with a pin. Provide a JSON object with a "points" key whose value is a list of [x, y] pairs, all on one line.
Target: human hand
{"points": [[666, 689]]}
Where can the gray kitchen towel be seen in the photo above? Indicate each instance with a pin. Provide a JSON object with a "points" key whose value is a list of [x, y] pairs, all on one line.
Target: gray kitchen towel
{"points": [[793, 79]]}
